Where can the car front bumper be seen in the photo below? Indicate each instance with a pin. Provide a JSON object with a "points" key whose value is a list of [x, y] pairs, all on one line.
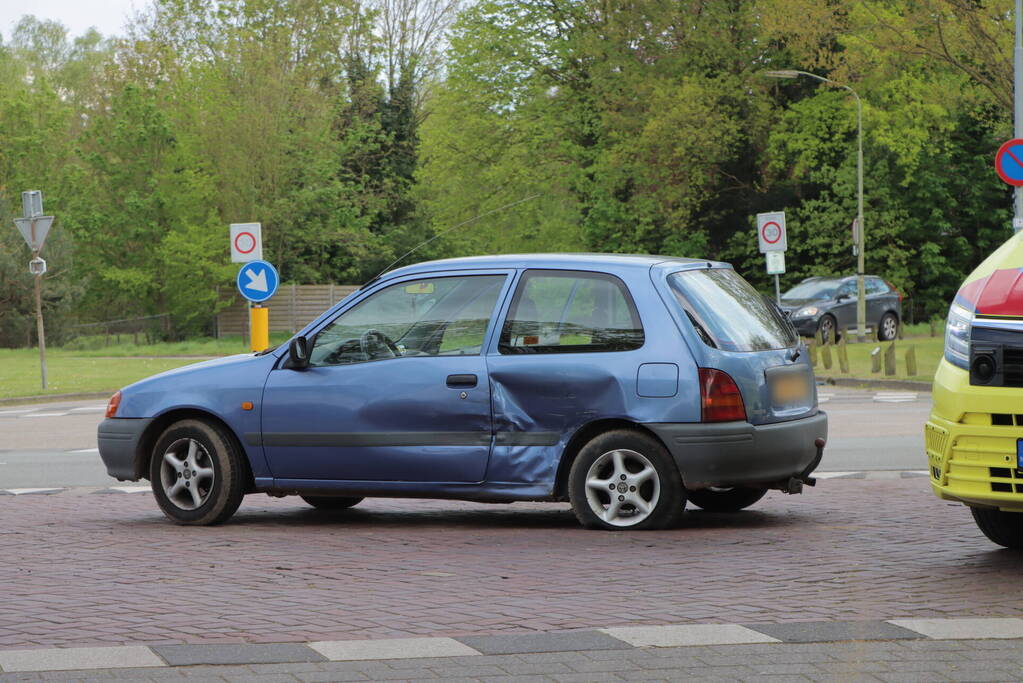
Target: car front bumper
{"points": [[119, 445], [971, 459], [806, 327], [740, 453]]}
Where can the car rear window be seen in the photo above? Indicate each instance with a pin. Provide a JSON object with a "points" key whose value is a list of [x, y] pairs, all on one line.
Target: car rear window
{"points": [[727, 313]]}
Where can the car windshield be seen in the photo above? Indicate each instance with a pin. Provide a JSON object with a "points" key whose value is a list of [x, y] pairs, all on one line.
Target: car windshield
{"points": [[728, 313], [815, 290]]}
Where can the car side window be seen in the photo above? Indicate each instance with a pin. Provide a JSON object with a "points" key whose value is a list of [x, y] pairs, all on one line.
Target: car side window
{"points": [[570, 312], [875, 286], [442, 316], [847, 289]]}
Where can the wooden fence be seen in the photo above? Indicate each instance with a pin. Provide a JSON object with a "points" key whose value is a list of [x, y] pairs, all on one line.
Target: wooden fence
{"points": [[291, 308]]}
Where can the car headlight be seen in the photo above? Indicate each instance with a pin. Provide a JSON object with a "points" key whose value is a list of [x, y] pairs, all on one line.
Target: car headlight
{"points": [[957, 336], [806, 312]]}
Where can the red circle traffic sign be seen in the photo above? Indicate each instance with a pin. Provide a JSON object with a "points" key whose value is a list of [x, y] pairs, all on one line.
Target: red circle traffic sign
{"points": [[1009, 162], [771, 236], [250, 241]]}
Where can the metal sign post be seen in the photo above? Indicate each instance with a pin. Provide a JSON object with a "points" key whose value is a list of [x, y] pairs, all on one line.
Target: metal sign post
{"points": [[775, 267], [34, 227], [258, 281]]}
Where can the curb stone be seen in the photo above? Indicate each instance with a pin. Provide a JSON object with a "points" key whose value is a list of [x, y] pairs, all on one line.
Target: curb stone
{"points": [[606, 639]]}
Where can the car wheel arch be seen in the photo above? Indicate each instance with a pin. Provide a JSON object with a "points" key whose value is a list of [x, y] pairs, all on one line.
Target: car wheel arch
{"points": [[584, 435], [164, 420]]}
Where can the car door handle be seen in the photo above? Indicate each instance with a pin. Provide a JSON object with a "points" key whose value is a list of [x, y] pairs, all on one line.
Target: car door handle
{"points": [[462, 380]]}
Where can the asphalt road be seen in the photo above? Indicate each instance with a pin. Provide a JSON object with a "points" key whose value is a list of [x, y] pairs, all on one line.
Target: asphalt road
{"points": [[54, 444]]}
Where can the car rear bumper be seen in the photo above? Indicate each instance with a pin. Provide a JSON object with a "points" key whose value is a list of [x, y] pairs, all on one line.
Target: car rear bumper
{"points": [[740, 453], [118, 445]]}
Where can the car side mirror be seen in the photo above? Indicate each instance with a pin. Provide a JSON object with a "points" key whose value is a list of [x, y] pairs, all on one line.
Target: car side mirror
{"points": [[842, 297], [298, 351]]}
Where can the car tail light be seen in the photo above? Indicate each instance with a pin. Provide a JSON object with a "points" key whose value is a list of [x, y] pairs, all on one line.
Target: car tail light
{"points": [[720, 399], [894, 289], [114, 404]]}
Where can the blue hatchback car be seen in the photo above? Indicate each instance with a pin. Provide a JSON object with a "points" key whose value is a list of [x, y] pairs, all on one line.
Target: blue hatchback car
{"points": [[626, 385]]}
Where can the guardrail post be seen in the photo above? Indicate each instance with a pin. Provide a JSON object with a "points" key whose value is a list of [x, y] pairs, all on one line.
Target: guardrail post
{"points": [[843, 356], [812, 350], [875, 360], [889, 360], [911, 361], [826, 356]]}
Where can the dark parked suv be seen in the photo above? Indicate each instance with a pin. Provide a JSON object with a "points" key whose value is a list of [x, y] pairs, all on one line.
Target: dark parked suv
{"points": [[828, 305]]}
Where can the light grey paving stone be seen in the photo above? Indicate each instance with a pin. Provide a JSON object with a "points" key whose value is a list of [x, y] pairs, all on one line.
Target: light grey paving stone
{"points": [[393, 648], [687, 635], [237, 653], [557, 641], [825, 631], [942, 629], [78, 658]]}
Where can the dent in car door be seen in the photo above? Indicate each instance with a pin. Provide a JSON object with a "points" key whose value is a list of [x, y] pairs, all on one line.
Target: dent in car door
{"points": [[566, 350]]}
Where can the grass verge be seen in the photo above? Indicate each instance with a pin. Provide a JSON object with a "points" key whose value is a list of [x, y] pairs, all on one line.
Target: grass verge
{"points": [[928, 354]]}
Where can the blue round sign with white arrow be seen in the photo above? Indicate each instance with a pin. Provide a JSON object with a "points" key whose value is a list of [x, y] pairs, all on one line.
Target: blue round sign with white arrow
{"points": [[258, 281]]}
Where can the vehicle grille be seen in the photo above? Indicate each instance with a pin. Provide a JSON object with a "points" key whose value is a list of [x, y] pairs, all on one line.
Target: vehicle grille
{"points": [[935, 439], [982, 464], [1012, 366]]}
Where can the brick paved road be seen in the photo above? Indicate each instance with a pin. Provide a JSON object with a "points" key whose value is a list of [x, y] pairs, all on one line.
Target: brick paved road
{"points": [[81, 568]]}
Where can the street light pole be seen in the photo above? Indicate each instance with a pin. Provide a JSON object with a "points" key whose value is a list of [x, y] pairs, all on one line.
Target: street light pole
{"points": [[861, 299], [1017, 97]]}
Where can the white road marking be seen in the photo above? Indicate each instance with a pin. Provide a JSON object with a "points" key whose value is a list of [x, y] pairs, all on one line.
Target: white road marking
{"points": [[391, 648], [89, 409], [73, 658], [824, 398], [831, 475], [45, 414], [85, 450], [683, 635], [958, 629], [895, 396], [21, 492], [131, 489], [16, 412]]}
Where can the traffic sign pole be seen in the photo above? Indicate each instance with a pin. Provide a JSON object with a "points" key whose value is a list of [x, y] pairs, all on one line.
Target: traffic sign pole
{"points": [[1017, 101], [34, 227], [259, 326], [258, 281], [39, 323]]}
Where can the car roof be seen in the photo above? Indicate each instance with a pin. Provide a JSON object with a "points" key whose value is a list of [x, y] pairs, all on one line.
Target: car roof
{"points": [[557, 260], [843, 278]]}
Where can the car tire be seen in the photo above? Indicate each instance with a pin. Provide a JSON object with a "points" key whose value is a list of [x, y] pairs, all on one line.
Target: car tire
{"points": [[726, 499], [644, 488], [197, 474], [888, 327], [1003, 528], [828, 328], [332, 502]]}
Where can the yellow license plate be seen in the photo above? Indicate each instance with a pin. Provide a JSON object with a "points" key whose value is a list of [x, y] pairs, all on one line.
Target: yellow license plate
{"points": [[790, 388]]}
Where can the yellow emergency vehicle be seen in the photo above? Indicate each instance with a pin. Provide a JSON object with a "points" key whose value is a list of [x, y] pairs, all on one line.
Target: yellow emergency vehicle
{"points": [[974, 437]]}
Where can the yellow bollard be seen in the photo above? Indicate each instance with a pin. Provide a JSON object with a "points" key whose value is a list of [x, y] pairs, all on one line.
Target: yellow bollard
{"points": [[259, 324]]}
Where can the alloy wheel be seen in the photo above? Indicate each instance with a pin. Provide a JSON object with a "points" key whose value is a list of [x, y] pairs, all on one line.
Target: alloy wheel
{"points": [[622, 487], [187, 474]]}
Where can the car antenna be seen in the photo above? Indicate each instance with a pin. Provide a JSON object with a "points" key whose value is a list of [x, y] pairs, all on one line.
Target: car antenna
{"points": [[444, 232]]}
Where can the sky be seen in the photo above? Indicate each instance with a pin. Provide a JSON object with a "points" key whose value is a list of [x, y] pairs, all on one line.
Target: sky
{"points": [[108, 16]]}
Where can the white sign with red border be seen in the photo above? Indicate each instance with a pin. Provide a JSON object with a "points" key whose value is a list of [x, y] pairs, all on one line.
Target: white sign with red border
{"points": [[771, 232], [246, 242]]}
